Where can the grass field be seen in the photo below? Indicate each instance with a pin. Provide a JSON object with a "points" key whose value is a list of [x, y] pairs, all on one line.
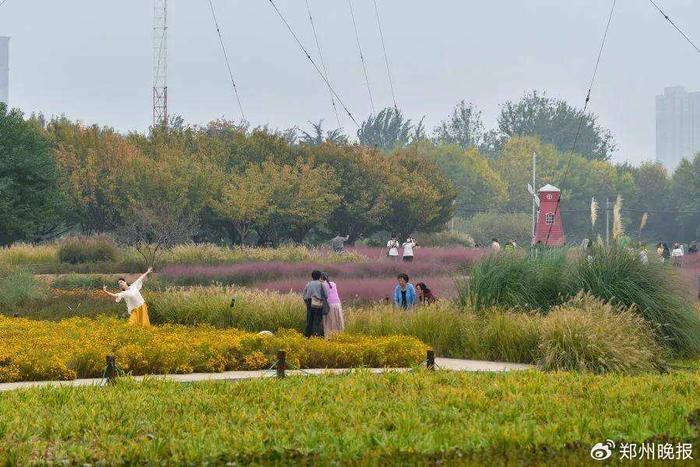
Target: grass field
{"points": [[417, 418]]}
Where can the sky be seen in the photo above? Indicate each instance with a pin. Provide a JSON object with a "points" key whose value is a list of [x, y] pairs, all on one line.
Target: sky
{"points": [[91, 60]]}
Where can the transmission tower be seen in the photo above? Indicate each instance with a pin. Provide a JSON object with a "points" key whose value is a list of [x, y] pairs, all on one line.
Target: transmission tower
{"points": [[160, 63]]}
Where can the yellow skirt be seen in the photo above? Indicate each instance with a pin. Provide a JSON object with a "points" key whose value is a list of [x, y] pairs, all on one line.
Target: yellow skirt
{"points": [[139, 316]]}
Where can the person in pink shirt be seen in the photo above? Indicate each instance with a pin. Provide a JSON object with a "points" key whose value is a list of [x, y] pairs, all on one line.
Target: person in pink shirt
{"points": [[334, 321]]}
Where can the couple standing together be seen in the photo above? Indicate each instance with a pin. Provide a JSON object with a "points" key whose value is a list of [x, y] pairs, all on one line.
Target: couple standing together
{"points": [[324, 312]]}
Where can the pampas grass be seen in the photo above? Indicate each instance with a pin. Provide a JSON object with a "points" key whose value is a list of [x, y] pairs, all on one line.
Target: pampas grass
{"points": [[594, 212], [618, 228]]}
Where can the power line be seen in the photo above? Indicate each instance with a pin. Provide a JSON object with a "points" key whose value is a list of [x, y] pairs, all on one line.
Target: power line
{"points": [[318, 70], [362, 56], [228, 63], [323, 62], [386, 56], [3, 2], [583, 115], [685, 36]]}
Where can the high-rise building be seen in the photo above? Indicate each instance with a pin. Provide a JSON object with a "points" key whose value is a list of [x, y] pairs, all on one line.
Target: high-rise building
{"points": [[4, 69], [677, 126]]}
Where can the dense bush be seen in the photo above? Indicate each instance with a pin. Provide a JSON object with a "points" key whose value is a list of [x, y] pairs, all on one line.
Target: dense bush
{"points": [[539, 282], [84, 249], [76, 348], [588, 334]]}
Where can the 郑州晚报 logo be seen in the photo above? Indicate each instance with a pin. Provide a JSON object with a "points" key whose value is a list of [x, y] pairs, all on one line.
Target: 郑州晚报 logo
{"points": [[602, 451]]}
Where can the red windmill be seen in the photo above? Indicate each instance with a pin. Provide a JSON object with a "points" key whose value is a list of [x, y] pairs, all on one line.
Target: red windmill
{"points": [[549, 229]]}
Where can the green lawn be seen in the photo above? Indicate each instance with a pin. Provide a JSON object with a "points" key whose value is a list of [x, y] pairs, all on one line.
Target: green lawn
{"points": [[550, 417]]}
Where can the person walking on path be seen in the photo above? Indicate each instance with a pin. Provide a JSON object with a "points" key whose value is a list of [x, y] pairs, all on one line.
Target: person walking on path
{"points": [[131, 294], [392, 247], [666, 253], [334, 321], [495, 246], [677, 254], [693, 248], [408, 246], [316, 305], [404, 293]]}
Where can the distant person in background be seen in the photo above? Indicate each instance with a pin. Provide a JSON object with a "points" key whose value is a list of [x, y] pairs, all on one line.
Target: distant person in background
{"points": [[131, 294], [334, 321], [509, 246], [660, 251], [666, 253], [408, 246], [404, 293], [338, 243], [425, 295], [643, 257], [316, 305], [693, 248], [495, 246], [677, 254], [392, 247]]}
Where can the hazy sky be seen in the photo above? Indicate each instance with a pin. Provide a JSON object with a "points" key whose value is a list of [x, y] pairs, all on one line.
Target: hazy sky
{"points": [[91, 59]]}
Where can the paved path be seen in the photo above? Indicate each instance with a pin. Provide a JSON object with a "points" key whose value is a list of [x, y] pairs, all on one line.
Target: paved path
{"points": [[442, 363]]}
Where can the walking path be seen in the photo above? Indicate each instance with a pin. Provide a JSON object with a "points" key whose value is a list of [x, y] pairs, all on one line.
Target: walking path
{"points": [[441, 363]]}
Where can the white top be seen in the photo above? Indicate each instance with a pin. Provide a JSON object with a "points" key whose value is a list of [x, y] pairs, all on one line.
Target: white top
{"points": [[393, 246], [132, 296], [677, 252], [408, 248], [495, 246]]}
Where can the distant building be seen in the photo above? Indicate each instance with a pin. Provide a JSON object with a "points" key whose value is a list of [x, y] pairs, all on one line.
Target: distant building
{"points": [[4, 69], [677, 126]]}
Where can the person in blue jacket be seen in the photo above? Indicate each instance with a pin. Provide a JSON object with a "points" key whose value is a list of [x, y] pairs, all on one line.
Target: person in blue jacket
{"points": [[404, 293]]}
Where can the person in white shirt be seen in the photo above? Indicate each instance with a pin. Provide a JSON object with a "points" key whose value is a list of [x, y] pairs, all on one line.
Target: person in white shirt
{"points": [[408, 247], [131, 294], [393, 248], [677, 253], [495, 245]]}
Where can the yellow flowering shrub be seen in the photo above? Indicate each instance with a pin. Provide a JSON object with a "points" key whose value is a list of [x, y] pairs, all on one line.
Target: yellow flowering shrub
{"points": [[76, 348]]}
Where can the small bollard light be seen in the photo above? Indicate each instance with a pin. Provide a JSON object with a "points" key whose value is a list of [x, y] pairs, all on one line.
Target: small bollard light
{"points": [[430, 360], [111, 369], [281, 363]]}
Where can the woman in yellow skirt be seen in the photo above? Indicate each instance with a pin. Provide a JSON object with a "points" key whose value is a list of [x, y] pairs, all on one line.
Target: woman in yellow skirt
{"points": [[131, 294]]}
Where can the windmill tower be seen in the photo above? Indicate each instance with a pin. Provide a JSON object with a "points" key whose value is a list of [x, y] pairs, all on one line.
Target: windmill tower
{"points": [[160, 63]]}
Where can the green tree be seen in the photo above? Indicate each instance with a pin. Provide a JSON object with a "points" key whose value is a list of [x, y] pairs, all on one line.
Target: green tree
{"points": [[463, 128], [317, 136], [686, 193], [556, 122], [420, 198], [30, 203], [389, 130], [478, 185]]}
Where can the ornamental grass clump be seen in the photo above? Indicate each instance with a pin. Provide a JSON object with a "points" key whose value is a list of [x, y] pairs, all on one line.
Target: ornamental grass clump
{"points": [[87, 249], [516, 280], [29, 254], [653, 289], [590, 335]]}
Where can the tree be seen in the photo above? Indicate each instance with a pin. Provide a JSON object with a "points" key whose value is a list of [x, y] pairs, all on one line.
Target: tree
{"points": [[301, 197], [389, 130], [364, 174], [30, 203], [654, 197], [419, 197], [318, 137], [244, 200], [555, 122], [464, 127], [686, 193], [477, 184]]}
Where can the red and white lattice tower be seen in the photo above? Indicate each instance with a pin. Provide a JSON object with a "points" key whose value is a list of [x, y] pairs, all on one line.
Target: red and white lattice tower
{"points": [[160, 63]]}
